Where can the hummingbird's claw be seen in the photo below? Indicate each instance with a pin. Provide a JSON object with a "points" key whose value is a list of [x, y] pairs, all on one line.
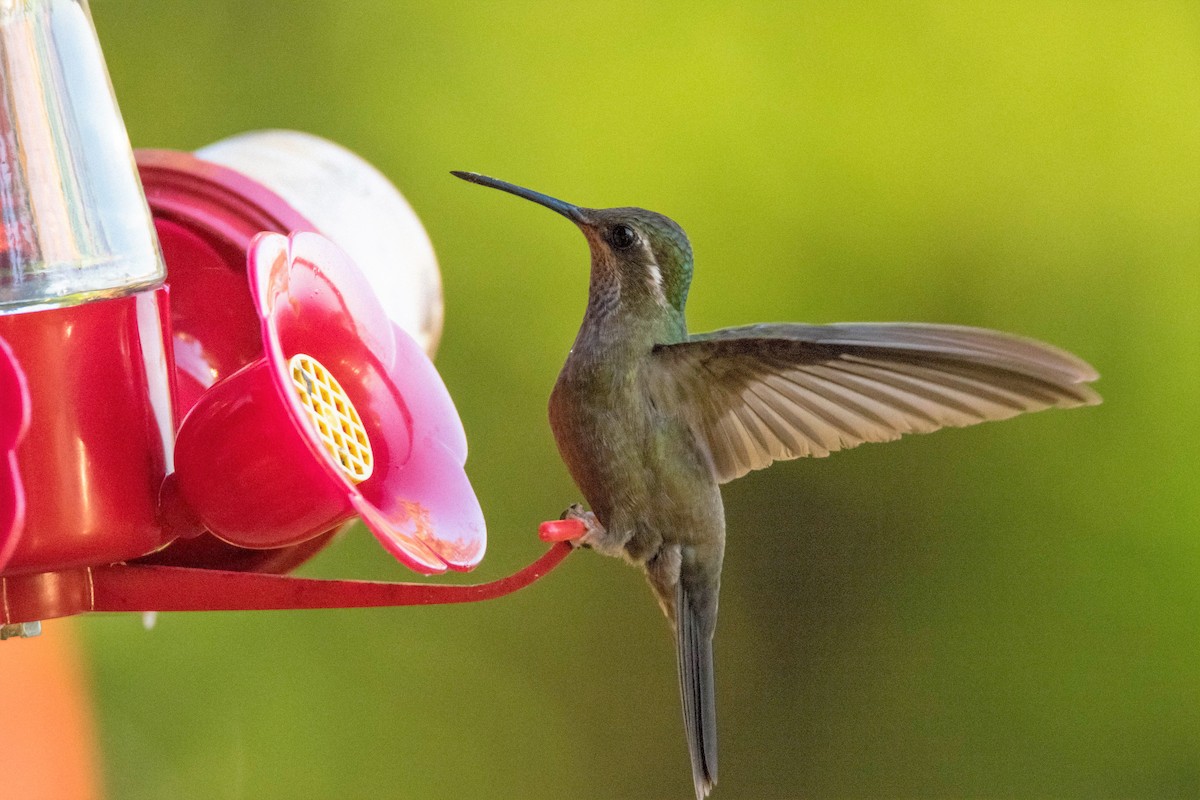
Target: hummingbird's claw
{"points": [[583, 521], [595, 536], [577, 511]]}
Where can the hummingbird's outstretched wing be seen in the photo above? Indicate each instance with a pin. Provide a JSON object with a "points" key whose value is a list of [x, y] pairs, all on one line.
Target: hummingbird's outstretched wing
{"points": [[768, 392]]}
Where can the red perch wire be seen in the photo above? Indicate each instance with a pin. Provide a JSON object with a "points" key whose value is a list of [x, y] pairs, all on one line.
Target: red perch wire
{"points": [[122, 587]]}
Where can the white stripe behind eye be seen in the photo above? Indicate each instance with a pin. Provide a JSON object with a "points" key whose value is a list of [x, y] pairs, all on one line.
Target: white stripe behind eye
{"points": [[654, 281]]}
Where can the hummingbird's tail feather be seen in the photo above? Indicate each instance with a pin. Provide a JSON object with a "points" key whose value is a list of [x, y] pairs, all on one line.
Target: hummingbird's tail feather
{"points": [[693, 640]]}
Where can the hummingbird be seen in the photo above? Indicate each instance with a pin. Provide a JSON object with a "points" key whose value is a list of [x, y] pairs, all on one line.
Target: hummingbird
{"points": [[651, 420]]}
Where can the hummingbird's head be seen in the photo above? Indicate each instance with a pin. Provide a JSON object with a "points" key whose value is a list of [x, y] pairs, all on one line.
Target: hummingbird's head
{"points": [[647, 253], [642, 255]]}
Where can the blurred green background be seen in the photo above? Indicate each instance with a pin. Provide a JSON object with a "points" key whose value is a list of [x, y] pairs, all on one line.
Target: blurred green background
{"points": [[1011, 610]]}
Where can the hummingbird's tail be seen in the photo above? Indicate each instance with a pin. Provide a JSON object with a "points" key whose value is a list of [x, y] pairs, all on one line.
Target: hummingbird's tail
{"points": [[694, 615]]}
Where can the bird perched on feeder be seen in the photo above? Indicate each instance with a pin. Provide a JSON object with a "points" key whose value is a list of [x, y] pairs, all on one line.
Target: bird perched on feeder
{"points": [[650, 419]]}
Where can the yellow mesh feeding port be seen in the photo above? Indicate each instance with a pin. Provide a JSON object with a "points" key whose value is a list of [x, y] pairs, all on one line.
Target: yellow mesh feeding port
{"points": [[333, 417]]}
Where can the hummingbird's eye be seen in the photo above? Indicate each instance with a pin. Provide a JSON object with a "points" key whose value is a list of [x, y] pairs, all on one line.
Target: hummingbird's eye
{"points": [[621, 236]]}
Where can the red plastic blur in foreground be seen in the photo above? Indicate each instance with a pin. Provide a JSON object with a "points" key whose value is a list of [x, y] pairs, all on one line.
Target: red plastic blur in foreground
{"points": [[101, 430]]}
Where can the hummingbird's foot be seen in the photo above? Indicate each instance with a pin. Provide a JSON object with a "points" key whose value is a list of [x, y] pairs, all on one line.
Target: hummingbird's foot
{"points": [[591, 525], [595, 536]]}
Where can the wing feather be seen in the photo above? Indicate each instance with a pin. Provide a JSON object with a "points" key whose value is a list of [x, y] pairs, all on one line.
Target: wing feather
{"points": [[764, 393]]}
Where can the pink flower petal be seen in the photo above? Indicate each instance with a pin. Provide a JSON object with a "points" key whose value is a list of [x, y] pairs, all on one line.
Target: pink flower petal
{"points": [[418, 501]]}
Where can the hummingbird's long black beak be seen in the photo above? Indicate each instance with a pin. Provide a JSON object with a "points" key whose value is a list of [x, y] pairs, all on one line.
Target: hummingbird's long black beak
{"points": [[571, 212]]}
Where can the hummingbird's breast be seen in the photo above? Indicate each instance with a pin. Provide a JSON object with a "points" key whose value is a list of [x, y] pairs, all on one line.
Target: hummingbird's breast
{"points": [[599, 425], [638, 466]]}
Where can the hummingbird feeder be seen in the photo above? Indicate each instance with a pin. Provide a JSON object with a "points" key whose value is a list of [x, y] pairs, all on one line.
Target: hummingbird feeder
{"points": [[14, 420], [210, 363]]}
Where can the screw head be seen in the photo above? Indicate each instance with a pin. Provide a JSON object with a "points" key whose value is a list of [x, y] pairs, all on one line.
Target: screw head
{"points": [[20, 630]]}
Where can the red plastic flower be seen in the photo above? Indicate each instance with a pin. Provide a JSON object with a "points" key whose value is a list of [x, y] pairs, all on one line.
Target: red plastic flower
{"points": [[14, 421], [343, 415]]}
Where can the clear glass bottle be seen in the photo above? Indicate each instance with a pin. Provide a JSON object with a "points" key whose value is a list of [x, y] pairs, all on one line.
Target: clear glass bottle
{"points": [[74, 225]]}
